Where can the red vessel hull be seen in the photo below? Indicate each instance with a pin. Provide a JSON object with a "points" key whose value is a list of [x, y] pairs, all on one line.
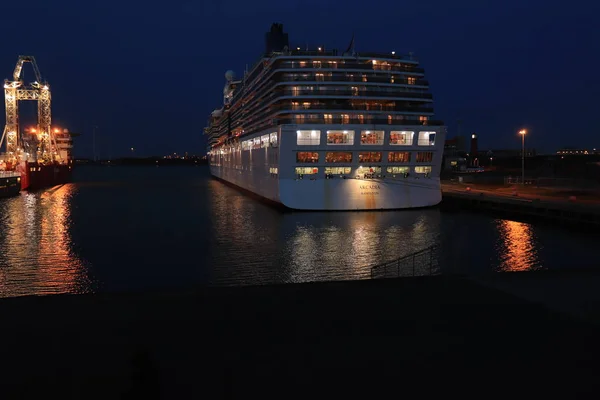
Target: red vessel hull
{"points": [[37, 176]]}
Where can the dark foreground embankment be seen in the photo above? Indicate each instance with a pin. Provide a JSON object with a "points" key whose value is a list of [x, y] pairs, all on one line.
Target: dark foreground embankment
{"points": [[411, 337]]}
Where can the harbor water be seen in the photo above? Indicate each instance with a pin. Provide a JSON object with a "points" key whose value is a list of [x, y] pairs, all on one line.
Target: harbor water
{"points": [[141, 228]]}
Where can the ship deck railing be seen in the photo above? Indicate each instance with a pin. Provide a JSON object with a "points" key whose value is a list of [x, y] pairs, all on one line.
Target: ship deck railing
{"points": [[420, 263]]}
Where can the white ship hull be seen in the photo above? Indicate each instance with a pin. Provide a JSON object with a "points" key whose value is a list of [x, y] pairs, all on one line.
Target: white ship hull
{"points": [[270, 172]]}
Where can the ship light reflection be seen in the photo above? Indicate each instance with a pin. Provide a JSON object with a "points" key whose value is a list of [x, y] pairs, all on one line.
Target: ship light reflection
{"points": [[36, 248]]}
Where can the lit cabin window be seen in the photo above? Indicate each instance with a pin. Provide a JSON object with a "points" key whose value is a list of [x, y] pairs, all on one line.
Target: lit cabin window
{"points": [[340, 137], [369, 156], [305, 157], [264, 141], [423, 170], [411, 80], [398, 170], [273, 139], [337, 170], [401, 138], [426, 138], [338, 157], [328, 118], [398, 156], [308, 138], [424, 157], [371, 137], [306, 170], [368, 170]]}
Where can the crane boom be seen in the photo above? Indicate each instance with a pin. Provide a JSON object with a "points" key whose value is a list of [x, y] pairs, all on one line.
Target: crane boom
{"points": [[19, 67]]}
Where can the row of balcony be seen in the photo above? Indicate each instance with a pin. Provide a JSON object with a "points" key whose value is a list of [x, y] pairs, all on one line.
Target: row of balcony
{"points": [[262, 103], [335, 53], [359, 121], [354, 107], [351, 79], [328, 65], [346, 91]]}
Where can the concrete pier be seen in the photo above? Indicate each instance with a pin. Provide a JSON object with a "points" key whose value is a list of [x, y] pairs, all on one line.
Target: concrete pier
{"points": [[527, 202]]}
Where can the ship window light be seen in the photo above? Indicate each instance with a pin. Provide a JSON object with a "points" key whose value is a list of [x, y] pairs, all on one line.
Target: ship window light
{"points": [[399, 156], [398, 170], [370, 156], [264, 141], [369, 170], [306, 170], [423, 170], [340, 137], [402, 138], [424, 157], [305, 157], [426, 138], [338, 157], [273, 138], [371, 137], [308, 138], [411, 80], [337, 170]]}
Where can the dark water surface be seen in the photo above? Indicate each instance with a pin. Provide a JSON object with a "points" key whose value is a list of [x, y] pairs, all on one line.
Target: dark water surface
{"points": [[132, 228]]}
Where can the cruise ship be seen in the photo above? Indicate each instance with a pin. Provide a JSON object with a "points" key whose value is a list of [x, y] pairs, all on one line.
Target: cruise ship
{"points": [[318, 129]]}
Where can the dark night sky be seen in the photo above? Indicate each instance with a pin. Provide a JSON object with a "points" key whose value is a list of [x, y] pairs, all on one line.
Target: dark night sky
{"points": [[149, 73]]}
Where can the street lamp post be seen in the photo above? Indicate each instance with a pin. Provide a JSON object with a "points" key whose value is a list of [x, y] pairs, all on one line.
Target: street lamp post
{"points": [[522, 132]]}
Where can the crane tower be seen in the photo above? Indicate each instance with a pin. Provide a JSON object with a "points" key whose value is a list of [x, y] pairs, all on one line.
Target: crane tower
{"points": [[40, 144]]}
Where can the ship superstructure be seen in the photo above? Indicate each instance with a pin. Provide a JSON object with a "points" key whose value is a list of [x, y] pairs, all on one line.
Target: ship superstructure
{"points": [[326, 130]]}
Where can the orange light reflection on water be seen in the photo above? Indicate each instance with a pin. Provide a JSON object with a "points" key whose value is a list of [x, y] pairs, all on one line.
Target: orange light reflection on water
{"points": [[37, 258], [517, 248]]}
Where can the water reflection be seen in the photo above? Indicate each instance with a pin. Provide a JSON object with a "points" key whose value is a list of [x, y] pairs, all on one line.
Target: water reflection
{"points": [[517, 248], [256, 244], [36, 254], [140, 228]]}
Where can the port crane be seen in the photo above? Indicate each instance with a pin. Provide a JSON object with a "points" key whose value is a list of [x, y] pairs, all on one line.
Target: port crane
{"points": [[40, 143]]}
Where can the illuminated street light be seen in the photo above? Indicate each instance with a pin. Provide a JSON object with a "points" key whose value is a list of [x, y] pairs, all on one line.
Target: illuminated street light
{"points": [[523, 132]]}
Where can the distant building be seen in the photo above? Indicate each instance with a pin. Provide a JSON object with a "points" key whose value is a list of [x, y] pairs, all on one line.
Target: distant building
{"points": [[454, 154], [454, 145], [577, 152], [505, 153]]}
